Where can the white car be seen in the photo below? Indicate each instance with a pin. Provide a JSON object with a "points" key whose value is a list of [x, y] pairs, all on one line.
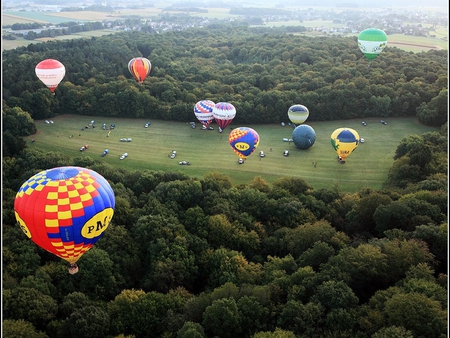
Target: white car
{"points": [[362, 140]]}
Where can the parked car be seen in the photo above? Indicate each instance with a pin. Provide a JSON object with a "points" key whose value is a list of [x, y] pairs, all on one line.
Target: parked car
{"points": [[261, 154], [286, 153], [362, 140], [383, 122], [364, 123], [241, 161]]}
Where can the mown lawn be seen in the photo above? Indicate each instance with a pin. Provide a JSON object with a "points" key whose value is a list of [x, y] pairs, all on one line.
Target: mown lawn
{"points": [[208, 150]]}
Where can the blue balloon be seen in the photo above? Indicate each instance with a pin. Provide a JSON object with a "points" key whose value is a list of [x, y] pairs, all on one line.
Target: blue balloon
{"points": [[303, 136]]}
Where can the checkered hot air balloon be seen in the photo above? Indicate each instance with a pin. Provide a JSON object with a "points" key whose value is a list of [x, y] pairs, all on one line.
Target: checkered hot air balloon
{"points": [[203, 111], [243, 141], [65, 210]]}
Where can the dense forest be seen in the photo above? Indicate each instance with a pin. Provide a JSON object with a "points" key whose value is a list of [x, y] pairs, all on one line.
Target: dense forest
{"points": [[186, 257]]}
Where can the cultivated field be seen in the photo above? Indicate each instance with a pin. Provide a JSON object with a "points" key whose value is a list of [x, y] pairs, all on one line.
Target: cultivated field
{"points": [[208, 150], [409, 43]]}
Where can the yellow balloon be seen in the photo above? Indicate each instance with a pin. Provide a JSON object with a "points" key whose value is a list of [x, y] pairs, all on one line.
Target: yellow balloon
{"points": [[344, 141]]}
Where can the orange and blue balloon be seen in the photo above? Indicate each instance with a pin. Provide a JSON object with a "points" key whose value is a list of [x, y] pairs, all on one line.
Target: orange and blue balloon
{"points": [[203, 111], [243, 141], [65, 210], [344, 141], [139, 67]]}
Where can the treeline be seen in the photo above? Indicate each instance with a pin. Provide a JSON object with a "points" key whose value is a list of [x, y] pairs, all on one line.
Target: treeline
{"points": [[26, 25], [261, 71], [187, 257], [72, 29]]}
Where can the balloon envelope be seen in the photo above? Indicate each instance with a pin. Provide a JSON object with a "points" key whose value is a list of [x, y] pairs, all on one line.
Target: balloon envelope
{"points": [[298, 113], [139, 67], [50, 72], [303, 136], [203, 110], [371, 42], [65, 210], [243, 141], [224, 113], [344, 141]]}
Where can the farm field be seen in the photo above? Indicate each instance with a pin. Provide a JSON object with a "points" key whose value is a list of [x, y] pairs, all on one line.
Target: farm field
{"points": [[409, 43], [209, 151]]}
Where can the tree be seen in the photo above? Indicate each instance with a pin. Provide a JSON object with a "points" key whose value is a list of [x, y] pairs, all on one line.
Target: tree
{"points": [[335, 295], [20, 329], [278, 333], [362, 268], [434, 112], [393, 332], [29, 304], [222, 318], [301, 318], [255, 316], [191, 330], [96, 277], [89, 322], [121, 310], [416, 312], [305, 236]]}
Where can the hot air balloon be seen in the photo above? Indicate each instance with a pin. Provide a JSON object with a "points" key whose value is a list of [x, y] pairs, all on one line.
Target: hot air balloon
{"points": [[203, 110], [224, 113], [243, 141], [303, 136], [371, 42], [344, 141], [65, 210], [50, 72], [139, 67], [298, 113]]}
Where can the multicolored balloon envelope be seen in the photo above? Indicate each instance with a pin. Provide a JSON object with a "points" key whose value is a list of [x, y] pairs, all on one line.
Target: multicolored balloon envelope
{"points": [[203, 111], [298, 113], [371, 42], [303, 136], [65, 210], [244, 141], [139, 67], [344, 141], [224, 113], [50, 72]]}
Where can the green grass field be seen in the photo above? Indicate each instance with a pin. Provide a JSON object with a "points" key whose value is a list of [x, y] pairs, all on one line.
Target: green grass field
{"points": [[209, 151]]}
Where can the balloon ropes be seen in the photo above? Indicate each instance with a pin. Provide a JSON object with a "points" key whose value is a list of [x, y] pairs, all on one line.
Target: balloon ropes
{"points": [[344, 142], [243, 141], [65, 210], [139, 67], [298, 113], [224, 113], [50, 72], [203, 110], [371, 42]]}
